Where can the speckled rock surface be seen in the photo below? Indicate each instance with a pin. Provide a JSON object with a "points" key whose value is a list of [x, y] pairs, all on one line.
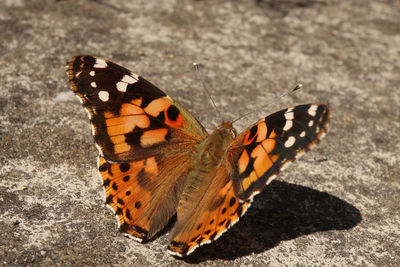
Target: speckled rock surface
{"points": [[337, 205]]}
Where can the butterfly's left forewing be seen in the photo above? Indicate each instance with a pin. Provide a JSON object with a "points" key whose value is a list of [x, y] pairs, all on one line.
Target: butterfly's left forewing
{"points": [[131, 118]]}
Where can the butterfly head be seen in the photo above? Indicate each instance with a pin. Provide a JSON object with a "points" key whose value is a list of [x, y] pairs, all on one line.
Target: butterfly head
{"points": [[227, 128]]}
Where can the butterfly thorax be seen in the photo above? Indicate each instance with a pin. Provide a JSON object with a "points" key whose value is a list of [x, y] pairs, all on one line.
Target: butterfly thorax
{"points": [[214, 147]]}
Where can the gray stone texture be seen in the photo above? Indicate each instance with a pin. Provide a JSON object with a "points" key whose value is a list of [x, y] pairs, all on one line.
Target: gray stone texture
{"points": [[339, 205]]}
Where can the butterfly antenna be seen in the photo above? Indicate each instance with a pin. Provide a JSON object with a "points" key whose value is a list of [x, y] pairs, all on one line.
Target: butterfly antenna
{"points": [[269, 103], [197, 68]]}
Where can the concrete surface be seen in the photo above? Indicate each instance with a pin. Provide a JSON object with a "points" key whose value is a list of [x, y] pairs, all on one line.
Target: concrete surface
{"points": [[337, 205]]}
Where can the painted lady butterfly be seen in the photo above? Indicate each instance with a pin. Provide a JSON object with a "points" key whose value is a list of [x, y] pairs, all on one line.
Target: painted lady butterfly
{"points": [[157, 160]]}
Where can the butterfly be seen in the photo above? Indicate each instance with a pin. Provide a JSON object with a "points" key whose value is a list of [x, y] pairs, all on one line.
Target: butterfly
{"points": [[156, 160]]}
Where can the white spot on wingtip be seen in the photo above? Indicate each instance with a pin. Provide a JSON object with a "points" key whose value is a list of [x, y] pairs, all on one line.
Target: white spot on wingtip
{"points": [[127, 79], [290, 141], [100, 64], [289, 115], [303, 133], [104, 96], [310, 123], [91, 73], [121, 86], [130, 78], [288, 125], [93, 84], [312, 110]]}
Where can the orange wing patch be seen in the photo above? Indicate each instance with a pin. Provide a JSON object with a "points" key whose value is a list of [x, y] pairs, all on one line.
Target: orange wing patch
{"points": [[243, 161], [151, 166], [162, 108], [260, 158], [129, 117], [153, 137], [135, 126], [156, 106]]}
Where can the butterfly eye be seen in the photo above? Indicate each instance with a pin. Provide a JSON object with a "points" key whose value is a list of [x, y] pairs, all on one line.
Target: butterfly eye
{"points": [[227, 126]]}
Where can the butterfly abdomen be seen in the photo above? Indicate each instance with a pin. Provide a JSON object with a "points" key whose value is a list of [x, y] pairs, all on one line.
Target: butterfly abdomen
{"points": [[210, 155]]}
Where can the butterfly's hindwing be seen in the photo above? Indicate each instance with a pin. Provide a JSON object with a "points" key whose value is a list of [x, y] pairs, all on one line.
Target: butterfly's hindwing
{"points": [[144, 194], [268, 145], [206, 213]]}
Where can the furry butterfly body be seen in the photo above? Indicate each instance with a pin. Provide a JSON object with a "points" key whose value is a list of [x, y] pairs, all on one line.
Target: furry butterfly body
{"points": [[156, 160]]}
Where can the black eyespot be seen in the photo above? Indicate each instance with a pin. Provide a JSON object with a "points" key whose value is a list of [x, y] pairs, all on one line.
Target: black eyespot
{"points": [[106, 182], [124, 167], [120, 201], [103, 167], [172, 113], [114, 186], [232, 201]]}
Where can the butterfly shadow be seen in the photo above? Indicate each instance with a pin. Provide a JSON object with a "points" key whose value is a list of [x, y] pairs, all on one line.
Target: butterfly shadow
{"points": [[283, 211]]}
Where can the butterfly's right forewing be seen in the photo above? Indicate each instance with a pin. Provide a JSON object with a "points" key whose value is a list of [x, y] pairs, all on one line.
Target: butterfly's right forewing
{"points": [[264, 148]]}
